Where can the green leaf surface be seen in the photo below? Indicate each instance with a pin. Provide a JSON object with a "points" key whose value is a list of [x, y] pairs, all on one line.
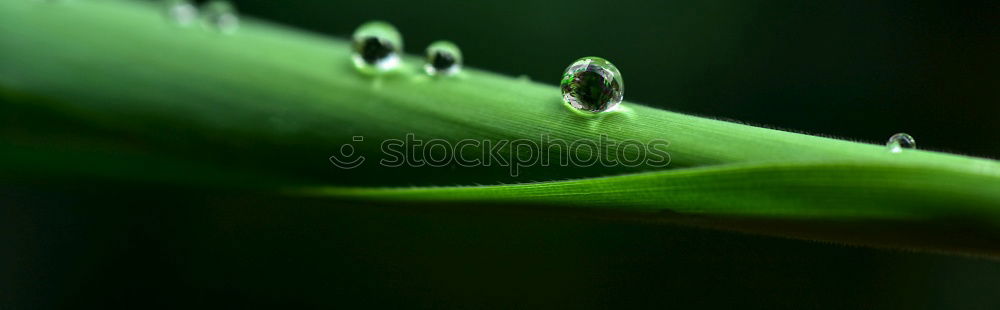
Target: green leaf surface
{"points": [[112, 90], [826, 191], [867, 204], [285, 100]]}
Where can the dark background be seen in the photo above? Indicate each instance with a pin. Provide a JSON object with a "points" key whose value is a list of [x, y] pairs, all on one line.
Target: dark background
{"points": [[861, 70]]}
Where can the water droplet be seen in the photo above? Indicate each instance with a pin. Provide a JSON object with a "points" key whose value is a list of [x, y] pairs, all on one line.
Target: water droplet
{"points": [[901, 141], [222, 16], [377, 47], [443, 58], [181, 12], [592, 84]]}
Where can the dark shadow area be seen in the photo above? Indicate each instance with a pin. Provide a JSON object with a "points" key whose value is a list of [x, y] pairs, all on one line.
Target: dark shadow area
{"points": [[122, 246]]}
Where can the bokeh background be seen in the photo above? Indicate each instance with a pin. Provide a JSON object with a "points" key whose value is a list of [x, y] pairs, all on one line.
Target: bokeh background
{"points": [[860, 70]]}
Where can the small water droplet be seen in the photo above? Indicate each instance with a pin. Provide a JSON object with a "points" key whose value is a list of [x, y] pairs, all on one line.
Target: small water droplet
{"points": [[901, 141], [592, 84], [181, 12], [443, 58], [222, 16], [377, 47]]}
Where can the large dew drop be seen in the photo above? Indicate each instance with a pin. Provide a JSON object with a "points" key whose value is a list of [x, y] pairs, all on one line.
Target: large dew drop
{"points": [[901, 141], [221, 15], [592, 84], [443, 58], [377, 47]]}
